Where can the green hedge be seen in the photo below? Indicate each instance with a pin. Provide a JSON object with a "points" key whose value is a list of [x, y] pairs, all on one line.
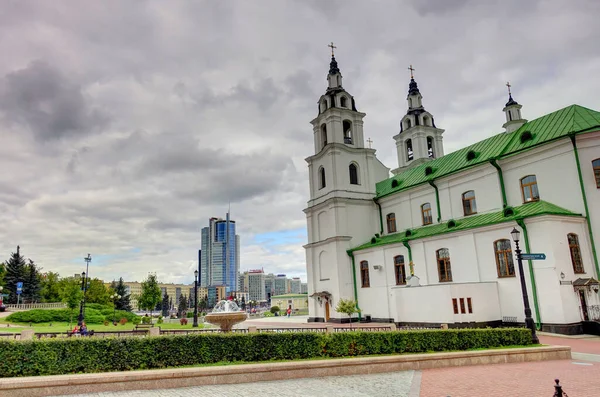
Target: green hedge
{"points": [[92, 315], [77, 355]]}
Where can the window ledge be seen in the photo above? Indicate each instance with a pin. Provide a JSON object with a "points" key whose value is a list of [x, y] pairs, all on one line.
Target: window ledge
{"points": [[511, 276]]}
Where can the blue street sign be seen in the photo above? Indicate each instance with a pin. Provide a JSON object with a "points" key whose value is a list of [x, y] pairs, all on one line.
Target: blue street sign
{"points": [[19, 287], [533, 257]]}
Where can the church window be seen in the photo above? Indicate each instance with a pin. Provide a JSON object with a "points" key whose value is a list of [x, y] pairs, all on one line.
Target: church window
{"points": [[469, 205], [469, 305], [430, 152], [426, 121], [407, 124], [343, 101], [353, 169], [462, 306], [455, 305], [324, 135], [391, 222], [324, 105], [509, 115], [410, 102], [444, 268], [364, 274], [575, 253], [426, 214], [529, 189], [347, 126], [409, 150], [399, 270], [322, 183], [596, 166], [504, 259]]}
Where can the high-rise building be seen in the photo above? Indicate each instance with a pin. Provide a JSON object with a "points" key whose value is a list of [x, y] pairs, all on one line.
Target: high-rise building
{"points": [[304, 288], [256, 285], [220, 259], [295, 285], [280, 284], [269, 286]]}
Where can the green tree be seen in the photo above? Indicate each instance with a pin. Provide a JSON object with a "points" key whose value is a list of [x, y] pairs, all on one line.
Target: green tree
{"points": [[97, 292], [2, 273], [165, 305], [151, 294], [15, 272], [71, 294], [121, 289], [347, 306], [31, 284], [183, 306], [50, 287], [274, 309]]}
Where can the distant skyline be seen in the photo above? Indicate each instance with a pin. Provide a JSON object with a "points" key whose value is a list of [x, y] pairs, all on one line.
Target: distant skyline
{"points": [[125, 125]]}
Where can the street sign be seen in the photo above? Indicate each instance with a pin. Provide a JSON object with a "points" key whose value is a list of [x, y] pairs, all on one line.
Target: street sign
{"points": [[533, 257], [19, 287]]}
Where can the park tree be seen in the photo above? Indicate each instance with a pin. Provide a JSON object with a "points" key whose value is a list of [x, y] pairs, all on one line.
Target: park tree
{"points": [[165, 305], [2, 273], [243, 303], [347, 306], [50, 287], [71, 295], [183, 306], [120, 288], [151, 294], [15, 272], [97, 292], [31, 283]]}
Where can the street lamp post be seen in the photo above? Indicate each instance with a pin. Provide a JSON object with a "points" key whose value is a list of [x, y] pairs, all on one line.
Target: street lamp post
{"points": [[528, 320], [80, 317], [114, 298], [87, 260], [195, 325]]}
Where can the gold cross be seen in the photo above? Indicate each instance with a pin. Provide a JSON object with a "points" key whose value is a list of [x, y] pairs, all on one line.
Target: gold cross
{"points": [[508, 85], [332, 47], [369, 141], [411, 71]]}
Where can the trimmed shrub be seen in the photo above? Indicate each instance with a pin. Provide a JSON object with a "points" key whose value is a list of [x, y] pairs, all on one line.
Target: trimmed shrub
{"points": [[183, 321], [146, 320], [79, 355], [275, 309], [54, 315], [137, 320], [123, 321]]}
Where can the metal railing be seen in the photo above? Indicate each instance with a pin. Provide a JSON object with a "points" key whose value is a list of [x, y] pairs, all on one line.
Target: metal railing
{"points": [[593, 313], [277, 330], [9, 335], [29, 306], [362, 329]]}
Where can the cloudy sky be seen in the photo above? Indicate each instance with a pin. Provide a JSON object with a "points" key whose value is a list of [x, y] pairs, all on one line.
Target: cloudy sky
{"points": [[125, 125]]}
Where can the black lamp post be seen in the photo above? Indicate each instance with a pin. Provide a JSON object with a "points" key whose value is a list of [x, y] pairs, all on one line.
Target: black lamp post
{"points": [[114, 298], [528, 320], [195, 325], [87, 260], [80, 317]]}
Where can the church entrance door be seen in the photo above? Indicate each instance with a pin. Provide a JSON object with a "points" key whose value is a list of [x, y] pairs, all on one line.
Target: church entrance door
{"points": [[326, 311], [584, 308]]}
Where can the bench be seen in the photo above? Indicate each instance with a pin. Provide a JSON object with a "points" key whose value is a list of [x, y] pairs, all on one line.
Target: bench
{"points": [[144, 326]]}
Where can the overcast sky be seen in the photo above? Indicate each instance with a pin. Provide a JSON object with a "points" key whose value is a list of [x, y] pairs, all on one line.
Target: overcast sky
{"points": [[125, 125]]}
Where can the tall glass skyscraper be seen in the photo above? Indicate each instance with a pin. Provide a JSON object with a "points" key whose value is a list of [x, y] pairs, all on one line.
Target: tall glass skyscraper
{"points": [[220, 259]]}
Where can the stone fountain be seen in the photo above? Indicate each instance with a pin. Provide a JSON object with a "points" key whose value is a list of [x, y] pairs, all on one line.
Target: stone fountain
{"points": [[226, 314]]}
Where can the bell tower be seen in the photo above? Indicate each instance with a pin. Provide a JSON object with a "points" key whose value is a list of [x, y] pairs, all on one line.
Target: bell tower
{"points": [[419, 140], [512, 110], [340, 213]]}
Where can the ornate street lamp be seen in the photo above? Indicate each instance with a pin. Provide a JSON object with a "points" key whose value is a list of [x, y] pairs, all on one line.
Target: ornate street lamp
{"points": [[195, 325], [114, 298], [528, 320], [80, 317]]}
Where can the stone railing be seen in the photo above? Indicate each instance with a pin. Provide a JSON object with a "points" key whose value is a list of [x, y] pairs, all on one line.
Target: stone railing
{"points": [[29, 306]]}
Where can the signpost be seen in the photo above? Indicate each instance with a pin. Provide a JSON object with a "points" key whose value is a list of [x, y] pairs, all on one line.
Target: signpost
{"points": [[533, 257], [19, 290]]}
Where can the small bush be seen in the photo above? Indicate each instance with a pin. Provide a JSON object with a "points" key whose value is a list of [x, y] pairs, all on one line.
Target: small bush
{"points": [[37, 316], [160, 320], [275, 309], [183, 321], [146, 320], [137, 320], [105, 323], [123, 321]]}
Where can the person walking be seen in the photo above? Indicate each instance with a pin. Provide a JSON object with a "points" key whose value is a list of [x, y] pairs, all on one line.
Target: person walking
{"points": [[289, 312]]}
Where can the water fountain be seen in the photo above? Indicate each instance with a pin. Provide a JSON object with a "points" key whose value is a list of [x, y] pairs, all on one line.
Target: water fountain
{"points": [[226, 314]]}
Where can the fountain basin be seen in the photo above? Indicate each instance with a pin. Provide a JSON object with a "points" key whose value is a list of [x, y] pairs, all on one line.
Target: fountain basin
{"points": [[225, 320]]}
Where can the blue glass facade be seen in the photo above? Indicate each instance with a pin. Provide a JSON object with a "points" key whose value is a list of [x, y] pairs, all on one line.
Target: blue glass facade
{"points": [[219, 257]]}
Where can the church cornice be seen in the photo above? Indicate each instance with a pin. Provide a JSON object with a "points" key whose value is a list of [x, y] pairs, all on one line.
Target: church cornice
{"points": [[336, 200], [335, 148], [327, 241]]}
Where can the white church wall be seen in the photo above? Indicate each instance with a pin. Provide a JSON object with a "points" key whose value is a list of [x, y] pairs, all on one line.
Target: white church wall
{"points": [[374, 300], [462, 261], [439, 308]]}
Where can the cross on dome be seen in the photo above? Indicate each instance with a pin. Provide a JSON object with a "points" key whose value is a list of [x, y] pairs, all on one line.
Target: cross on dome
{"points": [[508, 85], [411, 71], [332, 47]]}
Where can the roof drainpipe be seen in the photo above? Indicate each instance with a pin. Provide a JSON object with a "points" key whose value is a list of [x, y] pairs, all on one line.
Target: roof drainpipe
{"points": [[410, 262], [380, 216], [585, 205], [501, 178], [437, 201], [351, 254], [521, 223]]}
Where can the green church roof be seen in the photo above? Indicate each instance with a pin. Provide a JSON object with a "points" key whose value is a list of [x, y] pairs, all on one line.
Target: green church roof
{"points": [[573, 119], [528, 210]]}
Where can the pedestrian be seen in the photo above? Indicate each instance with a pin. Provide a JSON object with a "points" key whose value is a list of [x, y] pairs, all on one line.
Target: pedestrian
{"points": [[289, 312]]}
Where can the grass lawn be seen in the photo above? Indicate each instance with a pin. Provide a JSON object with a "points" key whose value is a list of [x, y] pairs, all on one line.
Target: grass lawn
{"points": [[63, 327]]}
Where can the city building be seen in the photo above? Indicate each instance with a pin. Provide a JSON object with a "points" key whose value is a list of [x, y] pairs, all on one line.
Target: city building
{"points": [[294, 301], [269, 286], [220, 259], [432, 243], [134, 289], [304, 288], [216, 293], [295, 285], [256, 285], [280, 285]]}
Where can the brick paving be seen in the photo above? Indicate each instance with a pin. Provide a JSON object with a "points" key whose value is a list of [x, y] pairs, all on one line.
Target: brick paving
{"points": [[589, 346], [378, 385]]}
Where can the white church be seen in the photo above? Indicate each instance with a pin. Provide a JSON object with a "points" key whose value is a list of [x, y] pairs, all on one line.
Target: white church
{"points": [[430, 243]]}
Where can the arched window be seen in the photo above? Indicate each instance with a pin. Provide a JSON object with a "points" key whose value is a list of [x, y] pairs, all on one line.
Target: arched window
{"points": [[426, 214], [509, 115], [426, 120], [399, 270], [353, 169], [529, 189], [364, 274], [575, 253], [504, 259], [410, 102], [322, 183], [596, 167], [323, 135], [391, 222], [469, 205], [407, 124], [343, 101], [409, 150], [430, 152], [324, 105], [444, 268], [347, 126]]}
